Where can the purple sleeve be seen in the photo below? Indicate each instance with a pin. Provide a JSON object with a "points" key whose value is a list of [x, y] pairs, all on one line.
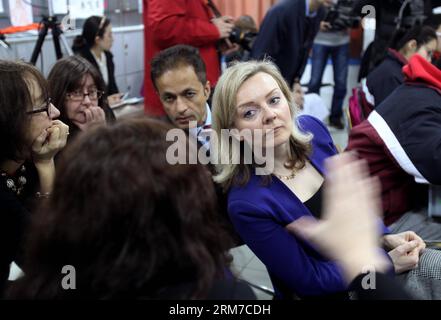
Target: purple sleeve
{"points": [[284, 256]]}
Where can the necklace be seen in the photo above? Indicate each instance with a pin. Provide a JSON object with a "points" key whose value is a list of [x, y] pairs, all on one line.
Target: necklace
{"points": [[286, 178], [15, 184]]}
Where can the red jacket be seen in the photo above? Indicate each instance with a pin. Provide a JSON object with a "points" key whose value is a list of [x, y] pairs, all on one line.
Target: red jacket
{"points": [[168, 23]]}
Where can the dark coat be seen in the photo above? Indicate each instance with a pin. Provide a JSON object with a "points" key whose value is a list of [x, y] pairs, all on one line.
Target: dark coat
{"points": [[385, 78], [287, 35], [15, 213]]}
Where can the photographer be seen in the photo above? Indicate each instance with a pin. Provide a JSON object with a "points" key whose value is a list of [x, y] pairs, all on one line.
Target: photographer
{"points": [[182, 22], [243, 37], [332, 40]]}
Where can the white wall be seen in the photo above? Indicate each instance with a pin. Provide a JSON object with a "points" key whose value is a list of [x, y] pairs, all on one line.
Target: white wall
{"points": [[128, 51]]}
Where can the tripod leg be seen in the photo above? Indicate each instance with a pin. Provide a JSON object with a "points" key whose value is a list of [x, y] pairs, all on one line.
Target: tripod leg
{"points": [[41, 36], [67, 49], [56, 37]]}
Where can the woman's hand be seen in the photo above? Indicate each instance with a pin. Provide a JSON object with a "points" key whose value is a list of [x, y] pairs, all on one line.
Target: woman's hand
{"points": [[44, 149], [49, 142], [405, 256], [392, 241], [406, 248], [93, 116], [348, 232]]}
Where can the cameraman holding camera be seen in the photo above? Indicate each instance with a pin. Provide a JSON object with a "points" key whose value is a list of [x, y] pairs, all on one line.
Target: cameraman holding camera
{"points": [[168, 23], [332, 40]]}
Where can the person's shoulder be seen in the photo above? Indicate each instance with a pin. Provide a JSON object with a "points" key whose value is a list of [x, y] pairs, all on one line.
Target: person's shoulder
{"points": [[292, 3], [321, 137], [379, 70], [286, 7], [254, 192], [245, 190], [109, 55], [310, 124], [392, 67], [86, 54]]}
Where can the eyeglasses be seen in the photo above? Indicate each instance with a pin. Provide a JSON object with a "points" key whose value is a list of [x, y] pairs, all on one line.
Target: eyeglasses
{"points": [[45, 107], [79, 96]]}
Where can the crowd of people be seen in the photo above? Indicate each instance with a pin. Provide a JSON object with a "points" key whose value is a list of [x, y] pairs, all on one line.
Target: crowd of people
{"points": [[141, 216]]}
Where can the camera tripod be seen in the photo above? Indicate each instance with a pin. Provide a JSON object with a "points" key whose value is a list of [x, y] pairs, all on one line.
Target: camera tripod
{"points": [[50, 22]]}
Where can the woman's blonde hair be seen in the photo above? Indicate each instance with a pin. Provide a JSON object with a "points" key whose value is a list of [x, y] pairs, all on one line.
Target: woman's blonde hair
{"points": [[224, 106]]}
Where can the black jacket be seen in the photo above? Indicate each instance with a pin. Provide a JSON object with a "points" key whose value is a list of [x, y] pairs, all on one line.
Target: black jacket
{"points": [[15, 213], [111, 86], [385, 78], [11, 230], [386, 13], [386, 288], [287, 35]]}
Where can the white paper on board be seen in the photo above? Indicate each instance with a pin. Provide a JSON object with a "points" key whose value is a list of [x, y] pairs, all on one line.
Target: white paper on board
{"points": [[20, 13], [82, 9]]}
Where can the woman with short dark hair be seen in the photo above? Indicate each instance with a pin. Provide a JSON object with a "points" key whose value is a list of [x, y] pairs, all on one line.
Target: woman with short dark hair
{"points": [[30, 137], [131, 224]]}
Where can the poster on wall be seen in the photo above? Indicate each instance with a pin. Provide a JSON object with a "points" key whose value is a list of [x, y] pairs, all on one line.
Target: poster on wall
{"points": [[82, 9], [20, 13]]}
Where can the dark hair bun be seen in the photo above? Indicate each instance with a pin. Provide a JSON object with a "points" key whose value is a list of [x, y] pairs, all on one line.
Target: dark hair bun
{"points": [[79, 43]]}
